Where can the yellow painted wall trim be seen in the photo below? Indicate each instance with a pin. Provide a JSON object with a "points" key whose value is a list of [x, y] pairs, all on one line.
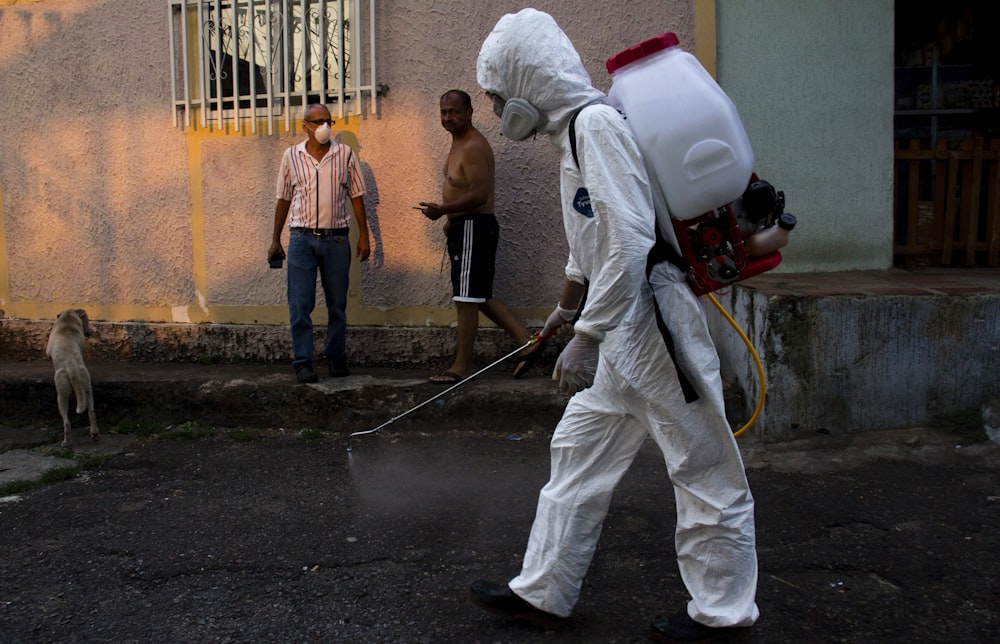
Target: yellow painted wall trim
{"points": [[705, 34], [277, 315], [98, 312]]}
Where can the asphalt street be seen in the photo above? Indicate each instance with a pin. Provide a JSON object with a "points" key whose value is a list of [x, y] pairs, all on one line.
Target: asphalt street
{"points": [[199, 533]]}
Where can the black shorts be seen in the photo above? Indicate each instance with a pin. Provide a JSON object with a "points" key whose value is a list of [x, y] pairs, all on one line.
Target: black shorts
{"points": [[472, 247]]}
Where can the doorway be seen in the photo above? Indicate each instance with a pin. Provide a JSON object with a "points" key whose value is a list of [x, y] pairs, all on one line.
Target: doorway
{"points": [[946, 134]]}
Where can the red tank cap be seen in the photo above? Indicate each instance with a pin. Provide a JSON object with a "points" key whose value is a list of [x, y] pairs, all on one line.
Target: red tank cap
{"points": [[643, 49]]}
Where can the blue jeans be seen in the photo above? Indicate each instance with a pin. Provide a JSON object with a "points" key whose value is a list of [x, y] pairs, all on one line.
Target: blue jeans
{"points": [[332, 256]]}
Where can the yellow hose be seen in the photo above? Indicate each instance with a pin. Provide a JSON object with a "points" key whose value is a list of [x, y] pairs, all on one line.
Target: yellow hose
{"points": [[756, 359]]}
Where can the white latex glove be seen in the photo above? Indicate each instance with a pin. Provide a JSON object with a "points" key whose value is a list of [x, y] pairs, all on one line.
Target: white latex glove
{"points": [[577, 364], [557, 319]]}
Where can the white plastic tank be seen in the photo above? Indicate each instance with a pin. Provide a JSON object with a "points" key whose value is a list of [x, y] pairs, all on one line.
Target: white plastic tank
{"points": [[690, 134]]}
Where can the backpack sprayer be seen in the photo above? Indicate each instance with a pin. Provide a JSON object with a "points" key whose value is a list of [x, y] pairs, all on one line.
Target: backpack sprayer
{"points": [[727, 223]]}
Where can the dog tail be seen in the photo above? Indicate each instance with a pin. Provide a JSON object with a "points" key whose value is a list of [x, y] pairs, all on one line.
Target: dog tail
{"points": [[80, 379]]}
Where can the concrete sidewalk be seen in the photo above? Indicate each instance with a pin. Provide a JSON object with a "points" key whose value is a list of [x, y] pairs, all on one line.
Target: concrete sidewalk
{"points": [[134, 399], [846, 352], [130, 396]]}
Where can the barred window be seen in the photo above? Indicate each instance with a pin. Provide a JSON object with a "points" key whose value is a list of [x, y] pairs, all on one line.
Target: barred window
{"points": [[239, 60]]}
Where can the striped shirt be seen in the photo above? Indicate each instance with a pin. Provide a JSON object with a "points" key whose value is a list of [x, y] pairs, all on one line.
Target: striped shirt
{"points": [[320, 192]]}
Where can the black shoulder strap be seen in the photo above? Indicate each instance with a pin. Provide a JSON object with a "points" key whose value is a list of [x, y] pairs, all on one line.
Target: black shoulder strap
{"points": [[663, 251], [572, 135], [572, 129]]}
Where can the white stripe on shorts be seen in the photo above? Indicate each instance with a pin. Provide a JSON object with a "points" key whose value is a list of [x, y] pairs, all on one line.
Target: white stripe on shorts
{"points": [[464, 285]]}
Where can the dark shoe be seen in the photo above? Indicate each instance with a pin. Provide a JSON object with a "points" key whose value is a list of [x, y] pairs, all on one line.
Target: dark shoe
{"points": [[336, 371], [501, 600], [681, 628], [305, 373]]}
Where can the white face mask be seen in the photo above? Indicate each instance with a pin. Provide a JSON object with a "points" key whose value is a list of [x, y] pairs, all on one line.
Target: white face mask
{"points": [[519, 119], [322, 134]]}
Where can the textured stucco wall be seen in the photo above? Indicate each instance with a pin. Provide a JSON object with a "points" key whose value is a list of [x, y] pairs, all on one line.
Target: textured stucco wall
{"points": [[94, 187], [106, 205], [813, 81]]}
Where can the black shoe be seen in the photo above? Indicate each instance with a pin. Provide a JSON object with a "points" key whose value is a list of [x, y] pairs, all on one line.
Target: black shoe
{"points": [[338, 371], [681, 628], [501, 600], [305, 373]]}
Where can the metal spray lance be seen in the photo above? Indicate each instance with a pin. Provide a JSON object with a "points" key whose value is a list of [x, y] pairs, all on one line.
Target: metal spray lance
{"points": [[534, 339]]}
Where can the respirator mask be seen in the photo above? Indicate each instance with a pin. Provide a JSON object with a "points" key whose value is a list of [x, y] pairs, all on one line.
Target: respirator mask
{"points": [[519, 119], [322, 134]]}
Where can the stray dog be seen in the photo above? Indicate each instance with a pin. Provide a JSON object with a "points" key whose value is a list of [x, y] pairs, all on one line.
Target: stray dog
{"points": [[66, 342]]}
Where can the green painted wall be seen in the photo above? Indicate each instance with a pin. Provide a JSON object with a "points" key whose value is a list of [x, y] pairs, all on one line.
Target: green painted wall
{"points": [[813, 82]]}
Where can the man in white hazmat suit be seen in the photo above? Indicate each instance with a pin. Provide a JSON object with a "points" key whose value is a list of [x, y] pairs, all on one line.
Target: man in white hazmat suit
{"points": [[625, 383]]}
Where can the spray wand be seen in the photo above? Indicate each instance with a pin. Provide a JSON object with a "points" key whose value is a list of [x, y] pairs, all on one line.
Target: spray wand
{"points": [[534, 339]]}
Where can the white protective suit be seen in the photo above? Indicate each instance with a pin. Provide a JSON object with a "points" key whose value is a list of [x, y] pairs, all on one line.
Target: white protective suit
{"points": [[635, 391]]}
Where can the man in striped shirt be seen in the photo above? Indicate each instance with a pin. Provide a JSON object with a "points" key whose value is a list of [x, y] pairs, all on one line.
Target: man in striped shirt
{"points": [[316, 180]]}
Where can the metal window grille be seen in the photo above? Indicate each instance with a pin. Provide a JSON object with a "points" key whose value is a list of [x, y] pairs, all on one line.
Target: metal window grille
{"points": [[247, 59]]}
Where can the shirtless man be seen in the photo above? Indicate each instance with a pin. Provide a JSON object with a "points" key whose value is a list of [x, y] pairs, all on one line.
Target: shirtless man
{"points": [[472, 233]]}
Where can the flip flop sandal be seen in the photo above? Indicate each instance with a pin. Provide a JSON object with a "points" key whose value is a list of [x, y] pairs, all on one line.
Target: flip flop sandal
{"points": [[446, 378]]}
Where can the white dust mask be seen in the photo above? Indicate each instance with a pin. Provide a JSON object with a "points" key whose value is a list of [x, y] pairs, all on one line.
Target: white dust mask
{"points": [[322, 134]]}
